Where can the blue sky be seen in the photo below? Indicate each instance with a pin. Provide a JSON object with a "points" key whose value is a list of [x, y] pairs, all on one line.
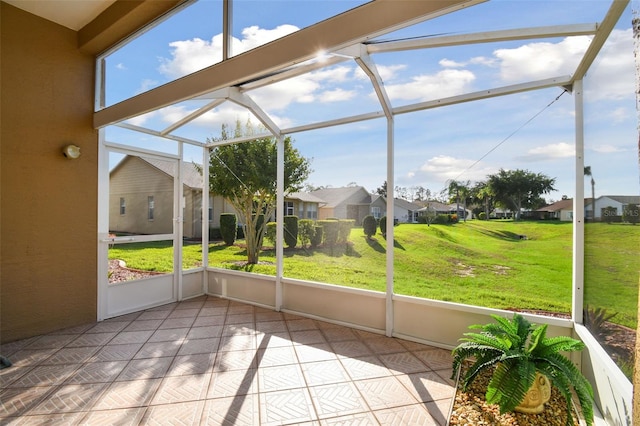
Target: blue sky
{"points": [[464, 142]]}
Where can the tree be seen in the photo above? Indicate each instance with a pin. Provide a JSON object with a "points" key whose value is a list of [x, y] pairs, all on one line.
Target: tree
{"points": [[518, 189], [481, 194], [369, 226], [382, 190], [587, 172], [460, 191], [245, 175]]}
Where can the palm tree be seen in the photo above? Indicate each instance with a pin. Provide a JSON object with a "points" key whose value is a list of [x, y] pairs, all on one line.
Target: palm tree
{"points": [[587, 172]]}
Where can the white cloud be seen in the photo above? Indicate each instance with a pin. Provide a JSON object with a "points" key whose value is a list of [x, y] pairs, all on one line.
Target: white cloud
{"points": [[336, 95], [477, 60], [121, 66], [448, 82], [535, 61], [549, 152], [619, 115], [146, 84], [192, 55], [387, 72], [612, 75], [443, 168], [606, 149], [142, 119]]}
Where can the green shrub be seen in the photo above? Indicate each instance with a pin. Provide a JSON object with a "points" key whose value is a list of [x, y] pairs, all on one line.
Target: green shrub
{"points": [[214, 234], [442, 219], [383, 226], [482, 216], [270, 233], [369, 226], [331, 231], [305, 231], [291, 231], [344, 230], [228, 228], [631, 214], [422, 219], [318, 233]]}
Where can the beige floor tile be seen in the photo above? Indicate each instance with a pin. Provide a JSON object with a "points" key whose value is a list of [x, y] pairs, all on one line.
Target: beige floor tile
{"points": [[182, 389], [337, 399], [184, 413], [324, 372], [406, 415], [18, 401], [235, 410], [69, 398], [286, 407], [121, 417], [402, 363], [427, 386], [149, 368], [97, 372], [280, 378], [131, 394], [384, 392], [231, 383]]}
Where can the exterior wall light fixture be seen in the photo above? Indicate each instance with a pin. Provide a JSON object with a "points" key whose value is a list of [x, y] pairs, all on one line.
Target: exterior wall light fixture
{"points": [[71, 151]]}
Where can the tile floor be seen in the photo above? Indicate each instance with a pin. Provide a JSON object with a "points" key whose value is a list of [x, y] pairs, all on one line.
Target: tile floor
{"points": [[210, 361]]}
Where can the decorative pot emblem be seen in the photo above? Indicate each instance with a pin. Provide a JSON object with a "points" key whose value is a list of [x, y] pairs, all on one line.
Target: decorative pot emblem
{"points": [[538, 394]]}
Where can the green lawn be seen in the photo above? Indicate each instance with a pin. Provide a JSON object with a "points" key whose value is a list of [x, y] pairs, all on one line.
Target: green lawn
{"points": [[477, 262]]}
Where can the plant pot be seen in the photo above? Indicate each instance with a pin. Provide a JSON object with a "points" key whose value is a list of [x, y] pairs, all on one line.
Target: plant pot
{"points": [[538, 394], [470, 407]]}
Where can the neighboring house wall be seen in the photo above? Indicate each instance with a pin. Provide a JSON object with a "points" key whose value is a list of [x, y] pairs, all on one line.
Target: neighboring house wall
{"points": [[344, 203], [619, 202], [133, 181]]}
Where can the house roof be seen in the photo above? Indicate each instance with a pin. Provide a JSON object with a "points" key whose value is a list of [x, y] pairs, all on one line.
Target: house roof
{"points": [[624, 199], [399, 202], [191, 176], [335, 196], [557, 206], [304, 196], [440, 207]]}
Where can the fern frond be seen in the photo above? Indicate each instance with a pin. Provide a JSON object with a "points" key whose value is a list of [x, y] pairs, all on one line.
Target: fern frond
{"points": [[510, 384], [538, 336], [558, 344]]}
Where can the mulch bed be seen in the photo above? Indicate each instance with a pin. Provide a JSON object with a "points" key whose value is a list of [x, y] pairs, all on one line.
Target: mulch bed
{"points": [[471, 408]]}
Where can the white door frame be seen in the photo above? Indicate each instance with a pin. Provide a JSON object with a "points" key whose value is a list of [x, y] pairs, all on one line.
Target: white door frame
{"points": [[133, 296]]}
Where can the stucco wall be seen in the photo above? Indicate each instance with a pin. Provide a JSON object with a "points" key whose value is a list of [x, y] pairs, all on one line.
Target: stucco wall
{"points": [[48, 203]]}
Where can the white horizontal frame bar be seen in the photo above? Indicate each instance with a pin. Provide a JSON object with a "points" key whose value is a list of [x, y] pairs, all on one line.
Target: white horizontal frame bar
{"points": [[238, 140], [486, 94], [127, 149], [484, 37], [158, 134], [197, 113]]}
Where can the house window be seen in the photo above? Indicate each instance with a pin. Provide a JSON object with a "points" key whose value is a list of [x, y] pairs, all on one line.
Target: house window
{"points": [[122, 206], [301, 210], [210, 214], [151, 204], [288, 208], [312, 211], [375, 211]]}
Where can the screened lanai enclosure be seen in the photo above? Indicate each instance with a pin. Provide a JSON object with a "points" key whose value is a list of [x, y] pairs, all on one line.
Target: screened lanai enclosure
{"points": [[409, 95]]}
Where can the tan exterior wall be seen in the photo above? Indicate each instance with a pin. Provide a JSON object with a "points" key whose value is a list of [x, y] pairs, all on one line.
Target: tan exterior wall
{"points": [[48, 203], [135, 181]]}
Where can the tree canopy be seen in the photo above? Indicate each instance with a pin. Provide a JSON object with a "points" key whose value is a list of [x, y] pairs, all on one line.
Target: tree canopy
{"points": [[245, 174], [518, 189]]}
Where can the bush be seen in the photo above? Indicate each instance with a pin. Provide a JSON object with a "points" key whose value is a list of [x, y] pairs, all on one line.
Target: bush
{"points": [[453, 218], [383, 226], [369, 226], [316, 239], [631, 214], [422, 219], [482, 216], [305, 231], [442, 219], [214, 234], [270, 233], [291, 231], [344, 230], [228, 228], [331, 231]]}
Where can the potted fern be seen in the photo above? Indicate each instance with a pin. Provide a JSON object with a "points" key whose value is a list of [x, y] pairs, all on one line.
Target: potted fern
{"points": [[522, 355]]}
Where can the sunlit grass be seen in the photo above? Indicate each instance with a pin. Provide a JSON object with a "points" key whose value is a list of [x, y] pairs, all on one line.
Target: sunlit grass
{"points": [[483, 263]]}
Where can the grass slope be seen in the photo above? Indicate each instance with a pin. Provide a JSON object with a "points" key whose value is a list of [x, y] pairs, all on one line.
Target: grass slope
{"points": [[481, 263]]}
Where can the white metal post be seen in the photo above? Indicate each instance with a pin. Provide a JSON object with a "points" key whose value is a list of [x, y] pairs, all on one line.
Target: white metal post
{"points": [[103, 226], [205, 219], [179, 224], [390, 222], [578, 209], [279, 220]]}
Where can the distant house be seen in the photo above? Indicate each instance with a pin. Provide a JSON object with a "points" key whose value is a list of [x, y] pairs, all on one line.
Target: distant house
{"points": [[447, 209], [141, 197], [560, 210], [616, 204], [351, 202], [404, 211], [302, 204]]}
